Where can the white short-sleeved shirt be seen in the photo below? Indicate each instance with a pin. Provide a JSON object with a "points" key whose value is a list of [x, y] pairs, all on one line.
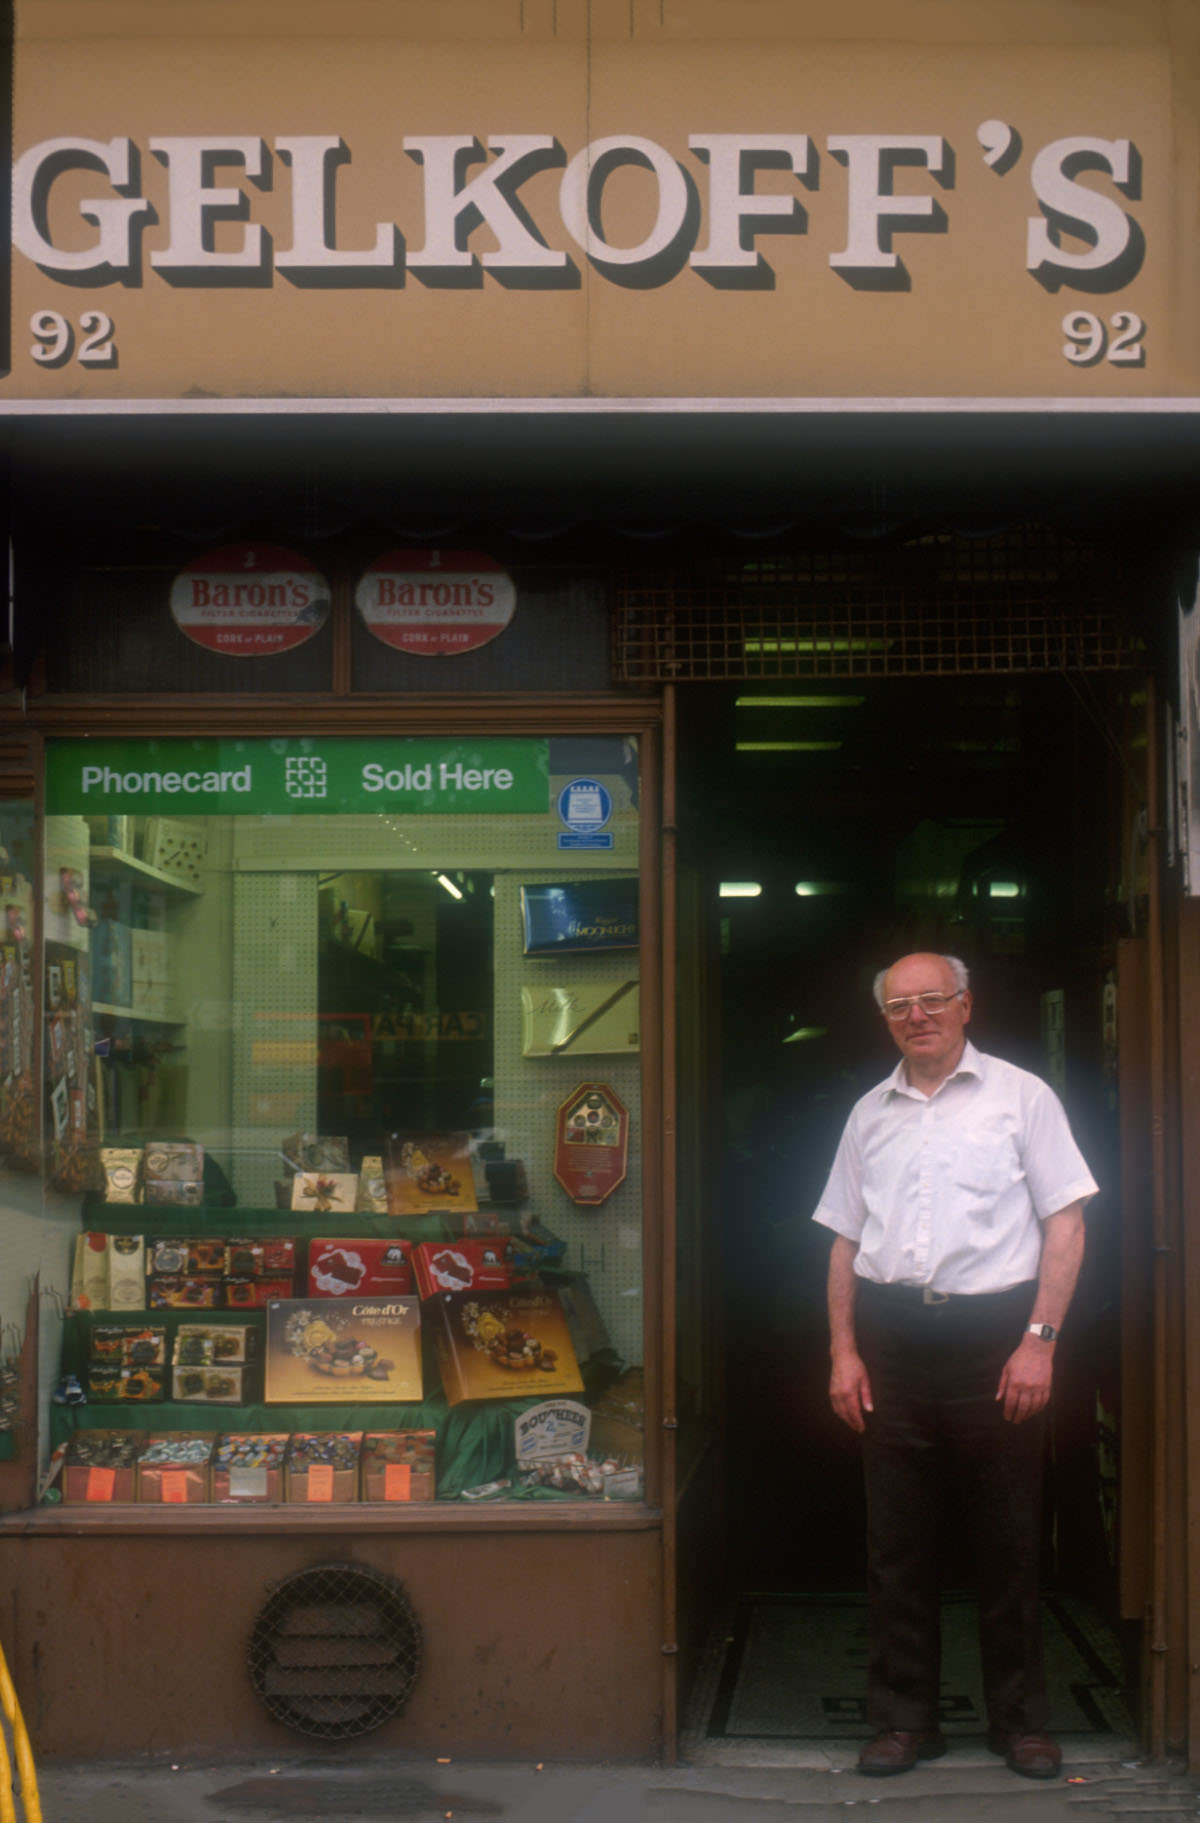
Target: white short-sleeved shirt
{"points": [[950, 1190]]}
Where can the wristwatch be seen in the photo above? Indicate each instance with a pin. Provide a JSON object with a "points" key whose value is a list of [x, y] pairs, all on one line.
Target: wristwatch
{"points": [[1046, 1331]]}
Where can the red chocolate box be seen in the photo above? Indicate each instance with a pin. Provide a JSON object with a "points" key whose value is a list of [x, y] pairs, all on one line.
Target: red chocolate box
{"points": [[474, 1264], [343, 1268]]}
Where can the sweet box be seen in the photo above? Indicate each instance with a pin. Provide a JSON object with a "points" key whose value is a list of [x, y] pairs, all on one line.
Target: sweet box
{"points": [[247, 1467], [474, 1263], [343, 1351], [174, 1468], [342, 1267], [502, 1345], [398, 1465], [213, 1385], [100, 1466], [322, 1466]]}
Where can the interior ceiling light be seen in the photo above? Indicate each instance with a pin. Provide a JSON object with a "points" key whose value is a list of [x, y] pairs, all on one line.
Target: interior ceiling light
{"points": [[799, 702], [739, 889], [754, 646], [787, 746], [805, 1032], [819, 889], [1004, 889], [445, 880]]}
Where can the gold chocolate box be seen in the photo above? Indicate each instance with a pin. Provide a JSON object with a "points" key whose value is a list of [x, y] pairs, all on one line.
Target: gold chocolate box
{"points": [[343, 1351], [502, 1345]]}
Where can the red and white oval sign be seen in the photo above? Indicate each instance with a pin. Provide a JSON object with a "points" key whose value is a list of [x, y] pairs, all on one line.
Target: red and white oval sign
{"points": [[436, 603], [250, 600]]}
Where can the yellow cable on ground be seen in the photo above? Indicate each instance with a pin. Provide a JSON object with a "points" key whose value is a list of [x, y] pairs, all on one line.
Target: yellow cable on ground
{"points": [[31, 1803], [7, 1811]]}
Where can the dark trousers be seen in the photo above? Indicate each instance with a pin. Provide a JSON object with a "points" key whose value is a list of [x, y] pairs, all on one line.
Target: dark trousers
{"points": [[934, 1370]]}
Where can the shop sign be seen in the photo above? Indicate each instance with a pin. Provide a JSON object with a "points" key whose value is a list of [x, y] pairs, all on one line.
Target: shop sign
{"points": [[435, 604], [298, 775], [250, 600], [721, 215], [533, 253]]}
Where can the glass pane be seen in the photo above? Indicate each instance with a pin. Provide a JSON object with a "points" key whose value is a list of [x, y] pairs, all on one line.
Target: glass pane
{"points": [[21, 1234], [378, 1000]]}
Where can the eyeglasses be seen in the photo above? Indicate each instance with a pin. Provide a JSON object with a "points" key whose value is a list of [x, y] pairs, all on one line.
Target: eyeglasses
{"points": [[932, 1005]]}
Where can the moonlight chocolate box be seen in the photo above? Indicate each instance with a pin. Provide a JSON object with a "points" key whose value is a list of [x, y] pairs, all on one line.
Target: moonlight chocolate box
{"points": [[343, 1351]]}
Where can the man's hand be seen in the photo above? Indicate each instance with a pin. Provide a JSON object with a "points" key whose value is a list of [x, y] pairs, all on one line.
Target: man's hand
{"points": [[1026, 1380], [850, 1390]]}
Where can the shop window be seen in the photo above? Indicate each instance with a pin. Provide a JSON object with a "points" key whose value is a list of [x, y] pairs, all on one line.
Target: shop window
{"points": [[343, 1088], [22, 1231]]}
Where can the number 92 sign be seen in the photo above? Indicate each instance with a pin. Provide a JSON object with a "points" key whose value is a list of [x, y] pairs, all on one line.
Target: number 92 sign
{"points": [[1121, 341]]}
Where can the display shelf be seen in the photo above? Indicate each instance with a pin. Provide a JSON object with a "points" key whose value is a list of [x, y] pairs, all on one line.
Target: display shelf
{"points": [[132, 1012], [124, 862]]}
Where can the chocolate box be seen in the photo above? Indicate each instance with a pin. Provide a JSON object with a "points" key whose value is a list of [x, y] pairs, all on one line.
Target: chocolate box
{"points": [[325, 1192], [429, 1172], [170, 1193], [476, 1263], [126, 1272], [185, 1294], [186, 1258], [256, 1294], [343, 1351], [213, 1385], [128, 1345], [398, 1465], [174, 1469], [260, 1259], [343, 1268], [100, 1467], [125, 1385], [247, 1467], [502, 1345], [175, 1161], [215, 1344], [322, 1466]]}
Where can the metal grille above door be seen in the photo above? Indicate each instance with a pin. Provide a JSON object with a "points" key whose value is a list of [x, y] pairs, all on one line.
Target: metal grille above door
{"points": [[1023, 602]]}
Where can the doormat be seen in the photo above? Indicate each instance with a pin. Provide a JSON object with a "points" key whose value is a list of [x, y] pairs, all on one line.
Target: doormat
{"points": [[796, 1669]]}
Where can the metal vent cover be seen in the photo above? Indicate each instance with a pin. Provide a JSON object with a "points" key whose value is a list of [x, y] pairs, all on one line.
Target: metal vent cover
{"points": [[336, 1650], [1022, 602]]}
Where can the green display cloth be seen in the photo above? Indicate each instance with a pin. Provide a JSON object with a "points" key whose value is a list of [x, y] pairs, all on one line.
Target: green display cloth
{"points": [[8, 1447]]}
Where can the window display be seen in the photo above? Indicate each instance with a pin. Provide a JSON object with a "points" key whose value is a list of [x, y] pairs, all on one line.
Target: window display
{"points": [[299, 1077]]}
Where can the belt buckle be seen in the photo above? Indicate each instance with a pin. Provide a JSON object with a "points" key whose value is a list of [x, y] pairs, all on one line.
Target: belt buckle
{"points": [[930, 1296]]}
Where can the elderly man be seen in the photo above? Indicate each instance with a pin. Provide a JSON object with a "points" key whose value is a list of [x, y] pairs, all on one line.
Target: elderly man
{"points": [[956, 1200]]}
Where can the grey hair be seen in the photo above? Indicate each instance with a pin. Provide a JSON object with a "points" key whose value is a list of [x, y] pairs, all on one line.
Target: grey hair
{"points": [[962, 978]]}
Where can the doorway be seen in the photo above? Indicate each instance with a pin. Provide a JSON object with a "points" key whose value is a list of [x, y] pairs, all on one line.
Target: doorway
{"points": [[835, 826]]}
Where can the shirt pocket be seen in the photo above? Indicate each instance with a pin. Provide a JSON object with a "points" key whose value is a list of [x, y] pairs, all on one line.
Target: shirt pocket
{"points": [[986, 1162]]}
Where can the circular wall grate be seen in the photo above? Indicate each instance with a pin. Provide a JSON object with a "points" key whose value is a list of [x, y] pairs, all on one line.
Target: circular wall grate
{"points": [[336, 1650]]}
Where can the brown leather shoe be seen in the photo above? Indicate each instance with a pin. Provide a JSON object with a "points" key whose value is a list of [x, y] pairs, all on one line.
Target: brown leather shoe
{"points": [[899, 1749], [1034, 1756]]}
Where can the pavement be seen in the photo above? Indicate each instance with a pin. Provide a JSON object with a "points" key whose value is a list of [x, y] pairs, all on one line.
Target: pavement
{"points": [[771, 1785]]}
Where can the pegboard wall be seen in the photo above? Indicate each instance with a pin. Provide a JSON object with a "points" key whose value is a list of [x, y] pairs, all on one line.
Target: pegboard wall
{"points": [[606, 1243], [274, 1028]]}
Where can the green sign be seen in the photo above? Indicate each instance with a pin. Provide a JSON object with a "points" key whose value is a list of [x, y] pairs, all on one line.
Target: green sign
{"points": [[296, 775]]}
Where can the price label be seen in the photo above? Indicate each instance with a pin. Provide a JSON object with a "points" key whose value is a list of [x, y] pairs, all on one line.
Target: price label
{"points": [[320, 1481], [175, 1486], [100, 1483], [397, 1481]]}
